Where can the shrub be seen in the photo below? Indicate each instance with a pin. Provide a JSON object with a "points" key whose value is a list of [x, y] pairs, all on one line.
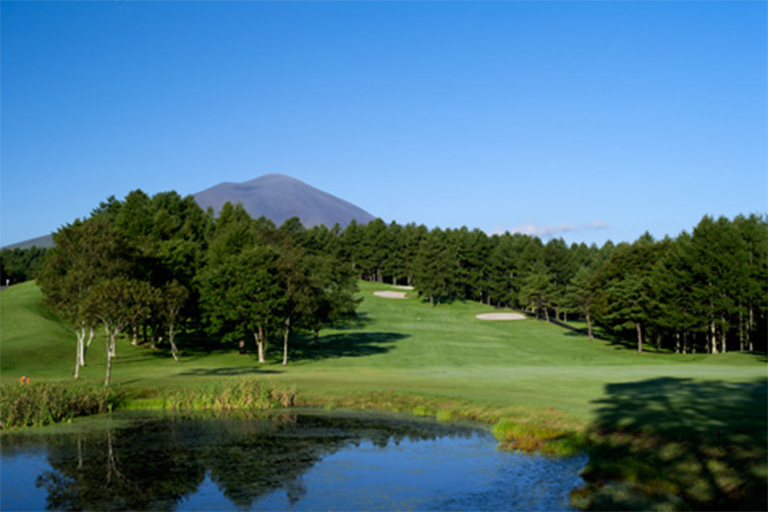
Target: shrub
{"points": [[241, 395], [44, 403]]}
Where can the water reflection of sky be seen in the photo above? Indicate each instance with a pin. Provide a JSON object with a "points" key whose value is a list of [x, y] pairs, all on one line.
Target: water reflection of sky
{"points": [[18, 474], [441, 474], [327, 464]]}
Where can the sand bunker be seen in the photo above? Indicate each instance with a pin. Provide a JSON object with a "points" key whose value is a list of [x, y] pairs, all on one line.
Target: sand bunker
{"points": [[390, 295], [501, 316]]}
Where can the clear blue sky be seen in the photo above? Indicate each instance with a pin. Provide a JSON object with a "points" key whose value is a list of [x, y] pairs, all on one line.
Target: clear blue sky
{"points": [[586, 120]]}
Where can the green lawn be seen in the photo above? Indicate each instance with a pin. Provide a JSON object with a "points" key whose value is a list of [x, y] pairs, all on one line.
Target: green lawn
{"points": [[402, 352], [400, 346]]}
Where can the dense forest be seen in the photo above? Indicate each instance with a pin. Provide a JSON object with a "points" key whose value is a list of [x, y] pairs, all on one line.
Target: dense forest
{"points": [[18, 265], [150, 267]]}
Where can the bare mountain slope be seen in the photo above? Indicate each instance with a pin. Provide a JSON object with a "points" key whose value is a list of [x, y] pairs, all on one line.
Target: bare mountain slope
{"points": [[279, 197], [276, 197]]}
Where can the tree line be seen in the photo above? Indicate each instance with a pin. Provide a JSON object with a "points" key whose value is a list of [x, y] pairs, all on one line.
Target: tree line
{"points": [[704, 291], [18, 265], [151, 266]]}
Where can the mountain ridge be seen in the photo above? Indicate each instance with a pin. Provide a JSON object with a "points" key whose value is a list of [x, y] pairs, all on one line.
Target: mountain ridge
{"points": [[279, 197], [275, 196]]}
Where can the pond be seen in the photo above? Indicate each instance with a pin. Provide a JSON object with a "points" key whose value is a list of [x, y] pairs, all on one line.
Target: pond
{"points": [[306, 460]]}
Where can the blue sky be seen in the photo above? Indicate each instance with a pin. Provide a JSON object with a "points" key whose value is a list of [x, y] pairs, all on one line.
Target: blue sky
{"points": [[585, 120]]}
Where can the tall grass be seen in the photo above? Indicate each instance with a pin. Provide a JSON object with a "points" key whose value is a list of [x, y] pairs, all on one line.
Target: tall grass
{"points": [[44, 403], [240, 395], [537, 437]]}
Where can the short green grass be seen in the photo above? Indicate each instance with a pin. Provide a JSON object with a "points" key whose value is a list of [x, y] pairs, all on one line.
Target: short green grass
{"points": [[442, 361], [398, 346]]}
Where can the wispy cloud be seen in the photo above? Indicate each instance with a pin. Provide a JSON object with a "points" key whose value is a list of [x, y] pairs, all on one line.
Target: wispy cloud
{"points": [[534, 229]]}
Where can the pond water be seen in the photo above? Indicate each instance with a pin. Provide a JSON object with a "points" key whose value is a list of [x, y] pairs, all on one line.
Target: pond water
{"points": [[308, 460]]}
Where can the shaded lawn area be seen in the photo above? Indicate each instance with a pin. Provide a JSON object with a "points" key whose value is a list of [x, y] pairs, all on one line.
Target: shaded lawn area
{"points": [[676, 438]]}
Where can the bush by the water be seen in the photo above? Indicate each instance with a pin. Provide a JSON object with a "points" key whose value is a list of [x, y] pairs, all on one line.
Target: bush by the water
{"points": [[238, 395], [44, 403]]}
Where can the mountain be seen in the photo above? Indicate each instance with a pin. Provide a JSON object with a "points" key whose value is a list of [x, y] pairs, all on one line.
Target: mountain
{"points": [[275, 196], [44, 242], [279, 197]]}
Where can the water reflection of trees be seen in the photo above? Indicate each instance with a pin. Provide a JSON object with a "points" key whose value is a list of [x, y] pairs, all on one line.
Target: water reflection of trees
{"points": [[156, 463]]}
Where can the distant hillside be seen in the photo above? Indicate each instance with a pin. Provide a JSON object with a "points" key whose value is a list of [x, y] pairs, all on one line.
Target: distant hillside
{"points": [[275, 196], [279, 197], [44, 242]]}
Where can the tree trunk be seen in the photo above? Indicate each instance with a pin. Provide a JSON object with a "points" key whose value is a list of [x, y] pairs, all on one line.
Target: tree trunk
{"points": [[111, 345], [639, 338], [741, 331], [109, 359], [723, 338], [259, 337], [91, 335], [713, 338], [589, 326], [79, 355], [286, 335], [174, 349]]}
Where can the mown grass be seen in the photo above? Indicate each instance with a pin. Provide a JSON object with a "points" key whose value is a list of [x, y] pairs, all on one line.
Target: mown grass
{"points": [[546, 388]]}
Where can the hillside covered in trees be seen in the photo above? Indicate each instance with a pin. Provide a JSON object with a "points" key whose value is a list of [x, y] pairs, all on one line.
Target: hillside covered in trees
{"points": [[153, 266]]}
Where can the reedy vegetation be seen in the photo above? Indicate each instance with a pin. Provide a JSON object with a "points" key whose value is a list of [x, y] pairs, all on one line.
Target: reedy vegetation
{"points": [[44, 403]]}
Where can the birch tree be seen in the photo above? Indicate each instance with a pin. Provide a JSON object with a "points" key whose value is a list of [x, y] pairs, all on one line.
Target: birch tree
{"points": [[85, 253], [172, 298], [111, 301]]}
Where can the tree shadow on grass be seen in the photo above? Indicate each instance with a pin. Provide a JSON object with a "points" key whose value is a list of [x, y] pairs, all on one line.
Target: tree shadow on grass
{"points": [[679, 443], [354, 344], [242, 371], [359, 321], [616, 340]]}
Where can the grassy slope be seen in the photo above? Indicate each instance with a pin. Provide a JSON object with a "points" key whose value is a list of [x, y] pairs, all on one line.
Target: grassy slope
{"points": [[400, 346]]}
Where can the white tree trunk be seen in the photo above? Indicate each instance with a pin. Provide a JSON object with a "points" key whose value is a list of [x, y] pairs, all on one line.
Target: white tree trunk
{"points": [[91, 335], [109, 358], [259, 337], [80, 347], [286, 335], [174, 349]]}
